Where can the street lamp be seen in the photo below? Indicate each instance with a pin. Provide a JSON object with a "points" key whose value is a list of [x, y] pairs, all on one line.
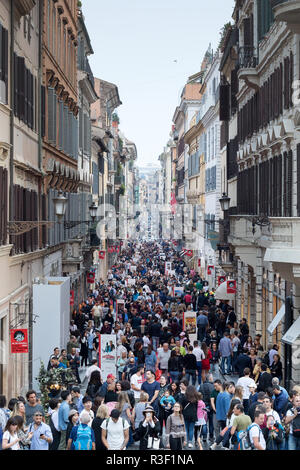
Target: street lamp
{"points": [[93, 211], [60, 205], [225, 202]]}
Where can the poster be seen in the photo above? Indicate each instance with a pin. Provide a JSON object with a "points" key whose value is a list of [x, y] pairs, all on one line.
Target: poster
{"points": [[177, 291], [210, 268], [231, 287], [19, 341], [107, 355], [119, 304], [221, 280], [190, 325], [101, 254], [199, 263], [168, 267], [90, 277]]}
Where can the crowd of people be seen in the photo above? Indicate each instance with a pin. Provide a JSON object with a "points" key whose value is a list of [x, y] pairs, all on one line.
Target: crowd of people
{"points": [[164, 393]]}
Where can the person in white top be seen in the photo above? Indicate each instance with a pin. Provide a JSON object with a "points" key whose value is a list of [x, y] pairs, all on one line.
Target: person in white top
{"points": [[198, 352], [255, 433], [115, 432], [10, 438], [136, 383], [246, 382], [91, 369]]}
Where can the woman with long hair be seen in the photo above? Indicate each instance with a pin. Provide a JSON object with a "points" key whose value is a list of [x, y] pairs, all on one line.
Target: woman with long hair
{"points": [[248, 344], [238, 394], [84, 349], [102, 414], [10, 439], [23, 435], [276, 367], [94, 384], [206, 361], [175, 429], [124, 408], [189, 406], [19, 410]]}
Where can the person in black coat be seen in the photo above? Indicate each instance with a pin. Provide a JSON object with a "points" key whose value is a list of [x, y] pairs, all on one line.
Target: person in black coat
{"points": [[94, 384], [149, 427], [265, 379], [242, 361], [102, 414], [276, 367], [53, 404]]}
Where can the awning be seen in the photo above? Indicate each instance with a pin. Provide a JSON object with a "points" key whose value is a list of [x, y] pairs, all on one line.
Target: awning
{"points": [[221, 293], [275, 322], [293, 333]]}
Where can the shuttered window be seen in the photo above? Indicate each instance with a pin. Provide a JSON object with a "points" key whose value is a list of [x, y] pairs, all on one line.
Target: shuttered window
{"points": [[61, 125], [224, 102], [265, 17], [3, 205], [52, 118], [3, 64]]}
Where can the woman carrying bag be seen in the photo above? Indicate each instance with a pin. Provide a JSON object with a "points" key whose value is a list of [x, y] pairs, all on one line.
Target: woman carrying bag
{"points": [[149, 430], [175, 429]]}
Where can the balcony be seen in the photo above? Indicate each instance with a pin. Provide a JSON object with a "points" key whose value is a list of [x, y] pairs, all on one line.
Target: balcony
{"points": [[248, 62], [288, 11], [24, 7], [284, 247]]}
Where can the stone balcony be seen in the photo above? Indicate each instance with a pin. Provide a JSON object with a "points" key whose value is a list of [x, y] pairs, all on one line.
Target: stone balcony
{"points": [[24, 7], [288, 11]]}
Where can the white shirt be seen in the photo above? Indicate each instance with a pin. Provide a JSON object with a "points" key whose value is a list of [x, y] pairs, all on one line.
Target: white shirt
{"points": [[11, 438], [90, 370], [54, 416], [255, 431], [115, 432], [137, 381], [199, 354], [146, 341], [275, 415], [120, 350], [245, 382]]}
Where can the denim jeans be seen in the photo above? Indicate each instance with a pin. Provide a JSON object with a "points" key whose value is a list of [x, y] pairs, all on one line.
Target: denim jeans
{"points": [[90, 356], [174, 374], [294, 442], [189, 427], [199, 369], [228, 365], [203, 431], [201, 333], [191, 373], [234, 358], [155, 342]]}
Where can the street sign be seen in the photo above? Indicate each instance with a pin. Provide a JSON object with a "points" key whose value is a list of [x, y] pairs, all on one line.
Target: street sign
{"points": [[19, 341]]}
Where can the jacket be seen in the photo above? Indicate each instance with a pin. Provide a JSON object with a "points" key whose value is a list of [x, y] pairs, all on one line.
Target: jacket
{"points": [[264, 382], [189, 410], [280, 403], [222, 405], [147, 431]]}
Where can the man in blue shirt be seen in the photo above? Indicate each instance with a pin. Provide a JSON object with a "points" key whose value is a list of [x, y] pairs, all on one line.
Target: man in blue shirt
{"points": [[63, 417], [225, 348], [151, 387], [202, 324], [222, 405], [42, 435]]}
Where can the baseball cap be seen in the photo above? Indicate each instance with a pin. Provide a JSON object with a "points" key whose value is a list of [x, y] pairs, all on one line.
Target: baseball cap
{"points": [[111, 376]]}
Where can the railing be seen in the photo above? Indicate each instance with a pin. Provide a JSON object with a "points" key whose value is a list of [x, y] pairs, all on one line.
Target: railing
{"points": [[247, 58]]}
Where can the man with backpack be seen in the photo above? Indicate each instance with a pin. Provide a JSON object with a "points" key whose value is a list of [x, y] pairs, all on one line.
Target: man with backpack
{"points": [[255, 434], [241, 421], [82, 437], [293, 419], [115, 431]]}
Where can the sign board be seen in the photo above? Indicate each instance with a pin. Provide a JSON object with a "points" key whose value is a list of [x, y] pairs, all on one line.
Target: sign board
{"points": [[190, 325], [71, 297], [199, 263], [119, 303], [107, 355], [19, 341], [177, 291], [221, 279], [168, 267], [90, 277], [276, 320], [292, 334], [210, 268], [101, 254], [231, 287]]}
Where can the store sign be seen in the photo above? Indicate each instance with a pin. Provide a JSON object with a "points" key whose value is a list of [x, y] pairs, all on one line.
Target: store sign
{"points": [[19, 341], [210, 268], [221, 280], [231, 287], [71, 297], [90, 277], [102, 254]]}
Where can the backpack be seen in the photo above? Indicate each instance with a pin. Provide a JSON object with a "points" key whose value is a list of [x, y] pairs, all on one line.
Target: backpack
{"points": [[84, 438], [243, 438], [296, 426]]}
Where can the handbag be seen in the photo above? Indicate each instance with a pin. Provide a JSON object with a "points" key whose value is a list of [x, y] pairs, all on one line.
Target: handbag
{"points": [[153, 443]]}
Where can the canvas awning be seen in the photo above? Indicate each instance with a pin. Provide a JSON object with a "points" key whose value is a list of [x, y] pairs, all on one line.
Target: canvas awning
{"points": [[293, 333], [221, 293], [276, 320]]}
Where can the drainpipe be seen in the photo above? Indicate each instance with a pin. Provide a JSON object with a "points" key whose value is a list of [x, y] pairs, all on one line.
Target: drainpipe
{"points": [[12, 105]]}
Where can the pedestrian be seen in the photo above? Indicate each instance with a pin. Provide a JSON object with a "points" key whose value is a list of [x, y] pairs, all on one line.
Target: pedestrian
{"points": [[42, 435], [102, 415], [82, 437], [10, 439], [32, 406], [225, 348], [115, 432], [246, 382], [63, 418], [149, 430], [73, 421], [189, 407], [175, 429], [53, 423]]}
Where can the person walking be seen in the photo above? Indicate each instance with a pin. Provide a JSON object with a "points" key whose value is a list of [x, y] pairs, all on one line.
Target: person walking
{"points": [[225, 348], [175, 429], [189, 407], [42, 435], [63, 418]]}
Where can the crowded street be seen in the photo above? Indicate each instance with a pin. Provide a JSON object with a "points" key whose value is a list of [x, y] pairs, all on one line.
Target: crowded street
{"points": [[180, 370]]}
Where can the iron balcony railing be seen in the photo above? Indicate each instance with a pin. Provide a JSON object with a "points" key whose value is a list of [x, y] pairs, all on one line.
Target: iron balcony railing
{"points": [[247, 57]]}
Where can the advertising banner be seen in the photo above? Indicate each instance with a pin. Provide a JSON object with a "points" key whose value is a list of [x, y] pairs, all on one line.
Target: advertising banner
{"points": [[107, 355], [119, 303], [90, 277], [71, 297], [101, 254], [168, 267], [221, 279], [190, 325], [19, 341], [210, 269], [177, 291], [231, 287]]}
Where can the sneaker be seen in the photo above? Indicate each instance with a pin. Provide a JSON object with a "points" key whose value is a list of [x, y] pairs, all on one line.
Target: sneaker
{"points": [[213, 446], [190, 445], [224, 448]]}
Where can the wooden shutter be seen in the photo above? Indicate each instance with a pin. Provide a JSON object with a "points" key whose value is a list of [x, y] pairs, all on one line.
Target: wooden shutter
{"points": [[224, 102], [51, 119], [1, 53], [21, 87], [80, 128], [43, 99], [291, 79], [3, 205], [290, 184], [61, 125], [247, 32], [5, 60]]}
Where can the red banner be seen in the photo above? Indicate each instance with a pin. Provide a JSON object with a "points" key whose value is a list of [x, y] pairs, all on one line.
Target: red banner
{"points": [[210, 268], [111, 249], [199, 263], [102, 254], [19, 341], [231, 287], [71, 297], [90, 278], [188, 252], [221, 280]]}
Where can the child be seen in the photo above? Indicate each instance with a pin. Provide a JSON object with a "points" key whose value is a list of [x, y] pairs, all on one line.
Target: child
{"points": [[200, 425], [167, 402]]}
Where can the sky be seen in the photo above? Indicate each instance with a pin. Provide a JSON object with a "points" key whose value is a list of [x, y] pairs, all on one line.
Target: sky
{"points": [[149, 48]]}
